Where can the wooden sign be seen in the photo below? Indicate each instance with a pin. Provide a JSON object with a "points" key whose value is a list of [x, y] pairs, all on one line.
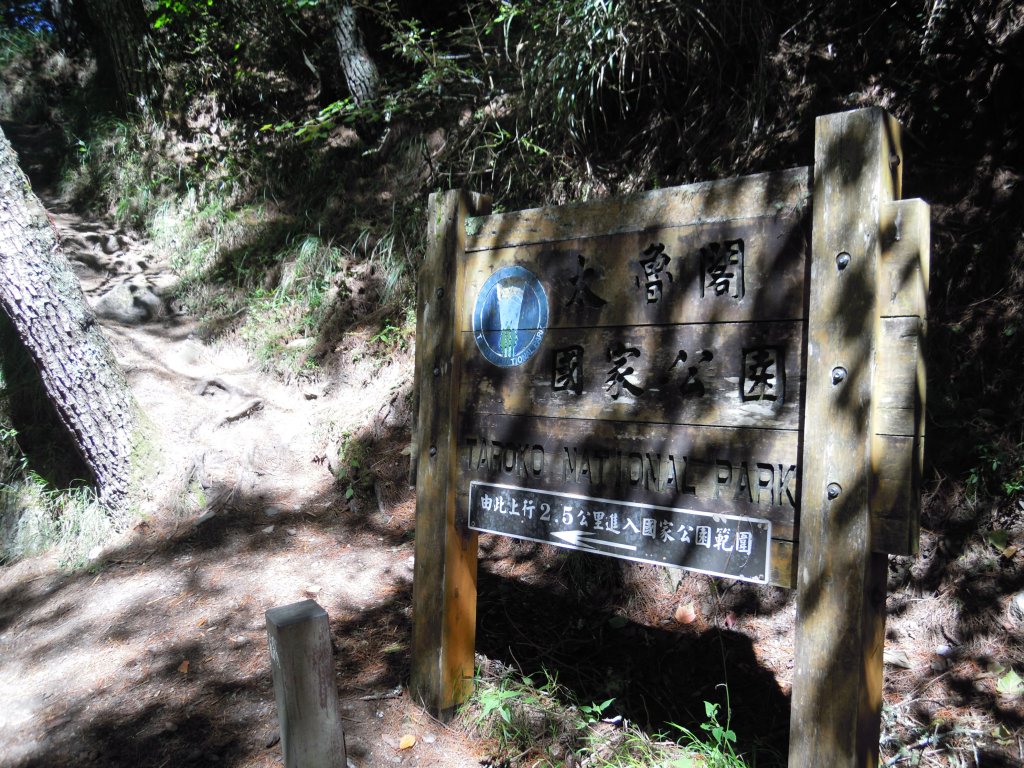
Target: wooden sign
{"points": [[656, 366], [703, 376]]}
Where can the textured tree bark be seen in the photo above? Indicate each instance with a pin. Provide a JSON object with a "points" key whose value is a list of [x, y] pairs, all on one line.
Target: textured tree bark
{"points": [[130, 51], [43, 299], [360, 72], [67, 18]]}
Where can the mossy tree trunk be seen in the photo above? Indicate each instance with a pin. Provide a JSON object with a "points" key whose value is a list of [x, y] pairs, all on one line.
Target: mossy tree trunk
{"points": [[357, 65], [43, 299]]}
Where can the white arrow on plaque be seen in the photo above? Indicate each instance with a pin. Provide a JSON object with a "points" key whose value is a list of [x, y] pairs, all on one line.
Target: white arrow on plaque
{"points": [[584, 541]]}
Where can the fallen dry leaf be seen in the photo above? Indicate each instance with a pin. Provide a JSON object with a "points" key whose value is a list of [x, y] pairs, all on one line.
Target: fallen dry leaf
{"points": [[686, 614], [896, 657], [408, 741]]}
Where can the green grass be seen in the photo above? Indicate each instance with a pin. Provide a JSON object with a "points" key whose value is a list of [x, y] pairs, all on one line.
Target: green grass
{"points": [[13, 463], [999, 470], [535, 720], [277, 281], [37, 518], [19, 43], [354, 471], [716, 747], [519, 714]]}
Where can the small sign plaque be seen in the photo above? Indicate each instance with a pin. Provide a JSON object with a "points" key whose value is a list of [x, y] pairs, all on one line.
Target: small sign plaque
{"points": [[510, 315], [731, 546]]}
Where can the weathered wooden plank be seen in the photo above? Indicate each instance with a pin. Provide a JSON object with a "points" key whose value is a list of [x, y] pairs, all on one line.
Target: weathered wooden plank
{"points": [[906, 259], [900, 378], [766, 194], [726, 374], [302, 663], [784, 564], [444, 587], [750, 472], [896, 494], [746, 269], [841, 583], [896, 391]]}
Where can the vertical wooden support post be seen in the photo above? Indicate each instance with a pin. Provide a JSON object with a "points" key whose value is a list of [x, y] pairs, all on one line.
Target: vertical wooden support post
{"points": [[307, 702], [900, 391], [444, 582], [837, 685]]}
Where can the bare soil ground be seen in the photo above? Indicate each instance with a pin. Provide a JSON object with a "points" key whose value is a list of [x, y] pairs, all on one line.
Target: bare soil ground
{"points": [[155, 653]]}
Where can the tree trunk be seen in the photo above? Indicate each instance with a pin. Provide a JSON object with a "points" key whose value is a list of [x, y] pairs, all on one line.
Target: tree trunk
{"points": [[70, 22], [44, 301], [360, 72], [129, 50]]}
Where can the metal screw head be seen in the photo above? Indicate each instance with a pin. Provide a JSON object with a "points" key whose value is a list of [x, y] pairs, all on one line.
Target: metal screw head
{"points": [[440, 293], [433, 450], [842, 260], [833, 490], [838, 375]]}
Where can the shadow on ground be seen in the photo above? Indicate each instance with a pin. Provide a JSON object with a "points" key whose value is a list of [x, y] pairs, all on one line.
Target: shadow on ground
{"points": [[154, 709]]}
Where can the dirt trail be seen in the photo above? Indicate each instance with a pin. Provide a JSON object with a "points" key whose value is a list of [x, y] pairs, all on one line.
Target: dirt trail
{"points": [[156, 653]]}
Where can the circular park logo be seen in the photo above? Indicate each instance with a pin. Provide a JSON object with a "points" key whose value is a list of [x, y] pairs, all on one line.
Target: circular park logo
{"points": [[510, 316]]}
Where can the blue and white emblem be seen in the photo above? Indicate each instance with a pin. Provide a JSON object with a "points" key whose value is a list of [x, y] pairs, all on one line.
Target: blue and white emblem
{"points": [[510, 316]]}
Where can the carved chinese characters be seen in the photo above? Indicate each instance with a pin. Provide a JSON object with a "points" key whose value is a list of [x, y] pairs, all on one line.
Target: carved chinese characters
{"points": [[721, 266], [764, 374], [738, 271], [731, 374], [654, 270], [567, 370], [622, 375]]}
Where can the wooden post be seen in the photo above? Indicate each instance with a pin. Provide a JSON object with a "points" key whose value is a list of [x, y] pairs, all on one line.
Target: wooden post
{"points": [[837, 685], [444, 585], [307, 701], [899, 392]]}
